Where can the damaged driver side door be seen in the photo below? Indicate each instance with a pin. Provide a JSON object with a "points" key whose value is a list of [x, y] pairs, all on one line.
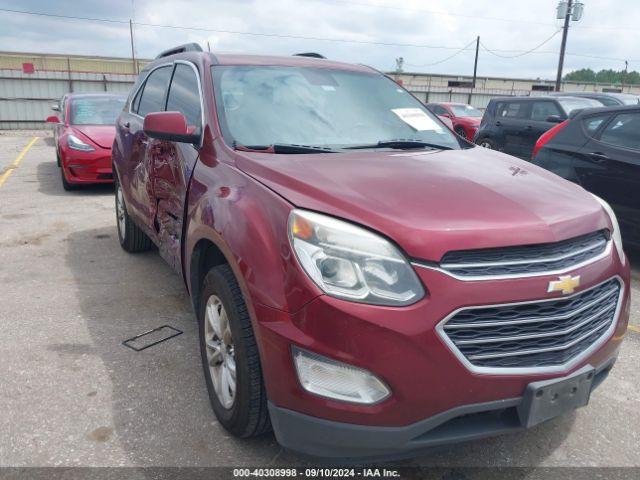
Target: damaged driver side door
{"points": [[172, 164]]}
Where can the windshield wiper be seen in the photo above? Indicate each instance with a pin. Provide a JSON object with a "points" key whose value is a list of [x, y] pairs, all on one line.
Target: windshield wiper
{"points": [[400, 144], [282, 148]]}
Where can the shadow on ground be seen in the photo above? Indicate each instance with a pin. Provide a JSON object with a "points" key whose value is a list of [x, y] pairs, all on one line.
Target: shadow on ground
{"points": [[158, 398]]}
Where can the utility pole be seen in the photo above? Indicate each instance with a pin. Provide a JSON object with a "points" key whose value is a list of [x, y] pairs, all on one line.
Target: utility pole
{"points": [[574, 10], [475, 70], [133, 52], [475, 64]]}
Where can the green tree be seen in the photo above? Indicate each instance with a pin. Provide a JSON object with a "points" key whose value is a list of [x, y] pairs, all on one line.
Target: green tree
{"points": [[604, 76]]}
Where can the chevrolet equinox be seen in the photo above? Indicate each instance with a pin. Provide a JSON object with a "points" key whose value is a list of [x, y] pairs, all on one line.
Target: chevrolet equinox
{"points": [[366, 282]]}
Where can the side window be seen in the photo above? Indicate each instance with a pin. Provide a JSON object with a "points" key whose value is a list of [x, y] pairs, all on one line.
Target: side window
{"points": [[607, 102], [623, 131], [438, 110], [135, 102], [184, 95], [152, 96], [63, 107], [591, 124], [511, 110], [540, 111]]}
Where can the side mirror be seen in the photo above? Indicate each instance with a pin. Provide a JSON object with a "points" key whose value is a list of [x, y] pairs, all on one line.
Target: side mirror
{"points": [[52, 119], [554, 119], [446, 115], [55, 107], [170, 126]]}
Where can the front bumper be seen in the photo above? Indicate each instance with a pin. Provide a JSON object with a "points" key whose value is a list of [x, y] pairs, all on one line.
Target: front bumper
{"points": [[431, 387], [87, 167], [324, 438]]}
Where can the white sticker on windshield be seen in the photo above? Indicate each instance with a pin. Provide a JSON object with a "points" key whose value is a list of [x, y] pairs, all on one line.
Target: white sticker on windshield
{"points": [[416, 119]]}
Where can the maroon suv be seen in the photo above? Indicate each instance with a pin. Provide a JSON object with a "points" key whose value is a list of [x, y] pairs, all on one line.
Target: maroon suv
{"points": [[366, 282]]}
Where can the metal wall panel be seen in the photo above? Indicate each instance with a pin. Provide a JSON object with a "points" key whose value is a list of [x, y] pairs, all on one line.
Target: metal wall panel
{"points": [[26, 99]]}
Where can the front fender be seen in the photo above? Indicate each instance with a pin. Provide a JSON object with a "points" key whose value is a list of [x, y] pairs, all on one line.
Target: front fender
{"points": [[248, 224]]}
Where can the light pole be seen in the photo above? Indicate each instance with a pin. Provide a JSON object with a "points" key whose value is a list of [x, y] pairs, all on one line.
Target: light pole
{"points": [[568, 10]]}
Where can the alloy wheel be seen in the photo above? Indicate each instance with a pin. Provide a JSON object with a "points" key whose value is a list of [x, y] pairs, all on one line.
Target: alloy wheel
{"points": [[120, 212], [220, 351]]}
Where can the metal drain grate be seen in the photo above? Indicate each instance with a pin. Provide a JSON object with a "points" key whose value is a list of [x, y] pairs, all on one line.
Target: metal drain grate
{"points": [[151, 338]]}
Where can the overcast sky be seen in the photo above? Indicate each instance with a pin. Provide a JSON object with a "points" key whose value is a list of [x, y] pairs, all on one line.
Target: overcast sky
{"points": [[609, 29]]}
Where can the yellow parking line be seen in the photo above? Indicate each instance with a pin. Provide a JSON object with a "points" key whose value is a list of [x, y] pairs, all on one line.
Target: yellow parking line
{"points": [[634, 328], [16, 162]]}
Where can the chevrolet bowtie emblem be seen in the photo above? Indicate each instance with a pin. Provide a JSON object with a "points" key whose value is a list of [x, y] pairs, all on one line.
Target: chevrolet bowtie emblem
{"points": [[565, 284]]}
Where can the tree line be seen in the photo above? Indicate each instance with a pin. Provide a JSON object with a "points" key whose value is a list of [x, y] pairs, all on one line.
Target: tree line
{"points": [[604, 76]]}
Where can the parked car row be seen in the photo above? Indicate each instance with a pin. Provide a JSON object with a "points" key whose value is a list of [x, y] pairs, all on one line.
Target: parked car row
{"points": [[366, 282], [599, 149], [514, 124]]}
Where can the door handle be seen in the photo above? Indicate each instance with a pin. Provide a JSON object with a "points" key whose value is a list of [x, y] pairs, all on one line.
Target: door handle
{"points": [[598, 157], [529, 127], [498, 123]]}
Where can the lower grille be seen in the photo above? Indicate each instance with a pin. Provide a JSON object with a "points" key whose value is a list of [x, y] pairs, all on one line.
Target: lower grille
{"points": [[546, 333]]}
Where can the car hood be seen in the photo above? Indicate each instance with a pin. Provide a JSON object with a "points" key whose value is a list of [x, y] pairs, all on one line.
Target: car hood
{"points": [[431, 202], [101, 135], [471, 121]]}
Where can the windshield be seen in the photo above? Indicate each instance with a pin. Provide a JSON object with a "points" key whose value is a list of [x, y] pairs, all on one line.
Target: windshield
{"points": [[95, 110], [267, 105], [465, 111], [576, 103]]}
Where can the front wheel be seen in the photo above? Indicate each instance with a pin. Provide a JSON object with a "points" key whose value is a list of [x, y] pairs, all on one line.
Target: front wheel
{"points": [[230, 356], [487, 143], [132, 238], [65, 183]]}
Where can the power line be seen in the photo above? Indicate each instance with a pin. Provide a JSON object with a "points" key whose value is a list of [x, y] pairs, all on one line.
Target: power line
{"points": [[90, 19], [234, 32], [434, 12], [519, 21], [522, 54], [301, 37], [466, 47]]}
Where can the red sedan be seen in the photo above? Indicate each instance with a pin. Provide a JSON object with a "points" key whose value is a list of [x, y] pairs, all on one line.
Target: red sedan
{"points": [[465, 118], [83, 134]]}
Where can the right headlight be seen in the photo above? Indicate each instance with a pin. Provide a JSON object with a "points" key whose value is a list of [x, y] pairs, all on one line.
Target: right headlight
{"points": [[615, 235], [352, 263]]}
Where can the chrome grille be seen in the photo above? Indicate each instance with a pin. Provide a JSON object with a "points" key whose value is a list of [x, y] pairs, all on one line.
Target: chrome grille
{"points": [[546, 333], [526, 259]]}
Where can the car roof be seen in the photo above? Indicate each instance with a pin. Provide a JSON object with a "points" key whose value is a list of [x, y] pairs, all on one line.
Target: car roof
{"points": [[93, 95], [524, 99], [583, 94], [451, 104], [230, 59], [597, 110]]}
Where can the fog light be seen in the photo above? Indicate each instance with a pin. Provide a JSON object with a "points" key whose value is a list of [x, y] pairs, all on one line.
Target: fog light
{"points": [[339, 381]]}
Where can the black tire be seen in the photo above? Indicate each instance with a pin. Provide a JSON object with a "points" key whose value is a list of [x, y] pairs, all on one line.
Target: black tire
{"points": [[58, 158], [132, 239], [248, 415], [487, 143], [460, 131], [65, 183]]}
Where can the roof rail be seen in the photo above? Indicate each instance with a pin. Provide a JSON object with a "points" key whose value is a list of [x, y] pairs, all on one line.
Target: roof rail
{"points": [[309, 54], [187, 47]]}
